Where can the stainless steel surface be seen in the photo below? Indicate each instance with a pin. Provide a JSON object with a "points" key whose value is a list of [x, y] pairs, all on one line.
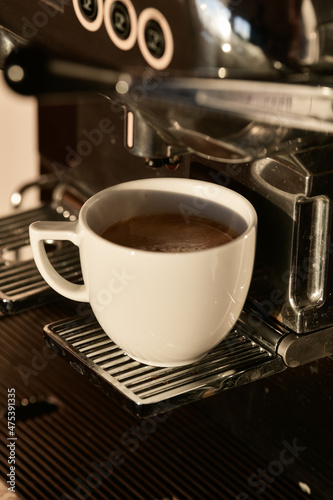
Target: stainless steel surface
{"points": [[21, 285], [147, 390], [298, 350], [244, 81], [8, 41]]}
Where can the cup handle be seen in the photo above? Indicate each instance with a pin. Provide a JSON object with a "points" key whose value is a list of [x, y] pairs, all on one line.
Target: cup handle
{"points": [[56, 230]]}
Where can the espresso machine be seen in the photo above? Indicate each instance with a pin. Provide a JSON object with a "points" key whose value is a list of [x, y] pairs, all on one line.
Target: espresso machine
{"points": [[237, 93]]}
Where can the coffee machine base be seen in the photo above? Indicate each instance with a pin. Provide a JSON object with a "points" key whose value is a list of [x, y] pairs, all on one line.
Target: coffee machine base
{"points": [[147, 390], [257, 347]]}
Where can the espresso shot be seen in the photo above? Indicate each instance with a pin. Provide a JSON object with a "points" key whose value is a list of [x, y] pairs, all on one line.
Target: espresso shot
{"points": [[169, 233]]}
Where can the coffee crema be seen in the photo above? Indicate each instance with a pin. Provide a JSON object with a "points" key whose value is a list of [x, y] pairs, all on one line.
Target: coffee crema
{"points": [[168, 233]]}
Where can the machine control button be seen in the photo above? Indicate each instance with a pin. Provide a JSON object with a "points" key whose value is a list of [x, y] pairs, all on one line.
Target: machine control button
{"points": [[120, 20], [154, 37], [89, 13], [89, 9], [121, 23]]}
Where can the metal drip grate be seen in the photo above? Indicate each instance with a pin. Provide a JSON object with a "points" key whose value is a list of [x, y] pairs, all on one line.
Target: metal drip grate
{"points": [[21, 285], [147, 390]]}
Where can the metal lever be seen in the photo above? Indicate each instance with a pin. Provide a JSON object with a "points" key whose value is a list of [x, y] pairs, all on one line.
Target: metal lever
{"points": [[45, 181]]}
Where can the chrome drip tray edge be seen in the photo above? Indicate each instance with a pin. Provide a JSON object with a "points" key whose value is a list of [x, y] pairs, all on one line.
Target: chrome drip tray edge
{"points": [[146, 390]]}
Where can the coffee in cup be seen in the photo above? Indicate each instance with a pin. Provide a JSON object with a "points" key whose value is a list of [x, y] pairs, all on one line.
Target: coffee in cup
{"points": [[168, 233]]}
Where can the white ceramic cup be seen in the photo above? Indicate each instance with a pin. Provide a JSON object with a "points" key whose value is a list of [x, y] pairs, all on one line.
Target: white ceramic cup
{"points": [[162, 309]]}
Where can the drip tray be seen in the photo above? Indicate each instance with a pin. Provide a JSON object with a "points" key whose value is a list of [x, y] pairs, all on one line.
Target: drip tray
{"points": [[146, 390], [21, 285]]}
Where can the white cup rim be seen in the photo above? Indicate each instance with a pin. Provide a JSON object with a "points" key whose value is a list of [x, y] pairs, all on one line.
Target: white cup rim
{"points": [[165, 184]]}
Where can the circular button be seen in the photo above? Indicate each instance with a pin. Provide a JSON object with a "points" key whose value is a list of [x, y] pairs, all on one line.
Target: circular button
{"points": [[89, 13], [155, 38], [121, 23], [120, 20], [89, 9]]}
